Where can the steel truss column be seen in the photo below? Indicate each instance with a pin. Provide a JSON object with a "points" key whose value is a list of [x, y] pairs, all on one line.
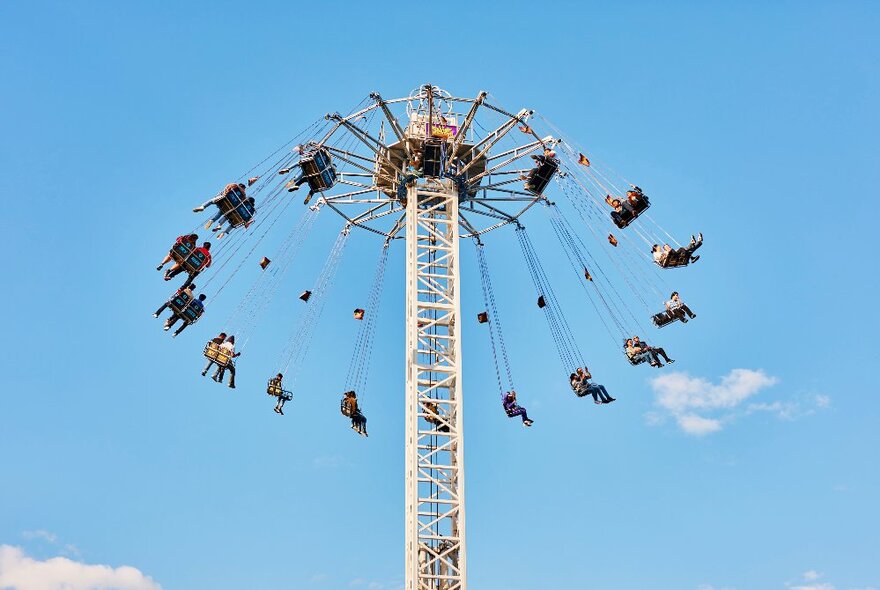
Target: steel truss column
{"points": [[435, 523]]}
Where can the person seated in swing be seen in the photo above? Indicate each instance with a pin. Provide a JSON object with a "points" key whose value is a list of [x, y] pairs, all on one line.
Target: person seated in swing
{"points": [[233, 190], [228, 350], [619, 206], [635, 347], [666, 256], [582, 386], [549, 156], [188, 240], [204, 250], [513, 409], [186, 290], [197, 306], [304, 151], [275, 388], [250, 205], [432, 416], [218, 340], [350, 408], [677, 309]]}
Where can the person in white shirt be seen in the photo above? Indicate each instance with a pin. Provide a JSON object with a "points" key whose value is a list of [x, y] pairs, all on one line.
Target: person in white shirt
{"points": [[677, 309], [228, 349]]}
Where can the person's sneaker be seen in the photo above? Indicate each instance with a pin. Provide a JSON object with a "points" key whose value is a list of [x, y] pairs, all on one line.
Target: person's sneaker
{"points": [[166, 328], [160, 267], [220, 235], [275, 409], [693, 315], [528, 422], [208, 223], [280, 411], [284, 171], [174, 335], [155, 315], [611, 399], [307, 199], [292, 186], [684, 320], [670, 361], [597, 402], [204, 373], [700, 238], [695, 258], [198, 209], [231, 385]]}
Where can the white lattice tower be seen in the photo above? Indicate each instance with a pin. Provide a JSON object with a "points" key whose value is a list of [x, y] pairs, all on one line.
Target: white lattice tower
{"points": [[435, 515]]}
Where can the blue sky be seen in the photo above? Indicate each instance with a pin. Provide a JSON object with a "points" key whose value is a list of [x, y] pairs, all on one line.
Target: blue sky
{"points": [[752, 122]]}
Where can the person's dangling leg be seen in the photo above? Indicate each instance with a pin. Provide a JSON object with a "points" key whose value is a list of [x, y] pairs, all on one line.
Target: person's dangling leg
{"points": [[165, 261], [662, 353], [207, 367], [180, 329], [685, 309], [603, 393], [231, 376], [161, 309]]}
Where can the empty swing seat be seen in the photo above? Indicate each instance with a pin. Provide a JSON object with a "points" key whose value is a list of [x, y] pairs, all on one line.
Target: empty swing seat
{"points": [[236, 208], [273, 389], [540, 177], [432, 158], [217, 354], [318, 170], [625, 217]]}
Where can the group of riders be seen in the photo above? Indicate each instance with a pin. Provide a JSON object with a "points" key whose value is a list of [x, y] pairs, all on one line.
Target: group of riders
{"points": [[234, 209]]}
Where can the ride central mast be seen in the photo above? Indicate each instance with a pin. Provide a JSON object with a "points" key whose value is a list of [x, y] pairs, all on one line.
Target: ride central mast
{"points": [[435, 512]]}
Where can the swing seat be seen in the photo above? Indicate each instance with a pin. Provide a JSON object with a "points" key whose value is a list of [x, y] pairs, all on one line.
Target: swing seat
{"points": [[664, 318], [192, 312], [276, 391], [432, 156], [195, 262], [540, 177], [676, 259], [318, 170], [217, 354], [511, 412], [236, 208], [181, 251], [624, 218], [581, 390], [639, 358], [179, 302]]}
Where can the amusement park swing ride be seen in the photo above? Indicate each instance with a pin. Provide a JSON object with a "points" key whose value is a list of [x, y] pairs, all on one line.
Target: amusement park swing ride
{"points": [[433, 170]]}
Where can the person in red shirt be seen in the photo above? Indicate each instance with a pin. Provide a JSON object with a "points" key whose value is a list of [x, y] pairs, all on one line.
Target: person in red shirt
{"points": [[178, 268], [190, 240]]}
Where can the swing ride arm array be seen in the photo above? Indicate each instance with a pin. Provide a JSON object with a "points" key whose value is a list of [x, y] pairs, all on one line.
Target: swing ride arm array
{"points": [[435, 516]]}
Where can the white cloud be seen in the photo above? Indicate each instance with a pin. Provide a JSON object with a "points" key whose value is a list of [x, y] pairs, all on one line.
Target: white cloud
{"points": [[20, 572], [811, 582], [41, 535], [701, 407], [697, 425]]}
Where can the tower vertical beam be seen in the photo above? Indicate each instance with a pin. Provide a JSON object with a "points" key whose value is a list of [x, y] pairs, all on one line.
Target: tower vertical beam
{"points": [[435, 516]]}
